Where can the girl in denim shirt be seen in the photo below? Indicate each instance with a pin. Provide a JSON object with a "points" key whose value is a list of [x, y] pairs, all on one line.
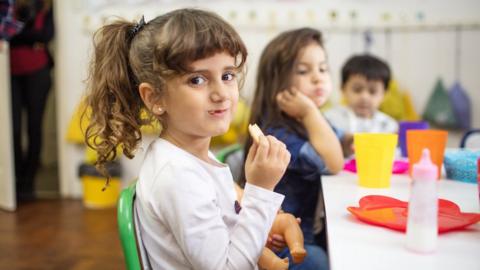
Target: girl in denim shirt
{"points": [[293, 81]]}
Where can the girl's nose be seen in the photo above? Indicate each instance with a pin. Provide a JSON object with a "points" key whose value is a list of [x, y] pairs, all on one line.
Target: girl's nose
{"points": [[219, 93], [316, 77]]}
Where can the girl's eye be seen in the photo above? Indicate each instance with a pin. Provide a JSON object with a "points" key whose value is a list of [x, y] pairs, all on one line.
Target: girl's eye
{"points": [[197, 80], [228, 76], [323, 68], [301, 71]]}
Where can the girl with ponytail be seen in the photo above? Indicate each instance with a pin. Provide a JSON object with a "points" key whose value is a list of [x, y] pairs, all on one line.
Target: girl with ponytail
{"points": [[185, 69]]}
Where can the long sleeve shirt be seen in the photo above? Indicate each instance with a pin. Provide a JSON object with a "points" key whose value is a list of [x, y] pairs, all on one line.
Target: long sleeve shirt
{"points": [[29, 48], [187, 214]]}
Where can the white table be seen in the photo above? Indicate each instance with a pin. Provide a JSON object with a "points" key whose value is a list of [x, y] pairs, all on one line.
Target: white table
{"points": [[356, 245]]}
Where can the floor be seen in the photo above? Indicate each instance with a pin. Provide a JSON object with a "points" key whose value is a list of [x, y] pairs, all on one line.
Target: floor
{"points": [[59, 234]]}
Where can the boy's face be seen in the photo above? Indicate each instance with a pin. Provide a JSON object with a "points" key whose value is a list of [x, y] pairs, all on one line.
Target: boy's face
{"points": [[363, 96], [201, 103], [311, 75]]}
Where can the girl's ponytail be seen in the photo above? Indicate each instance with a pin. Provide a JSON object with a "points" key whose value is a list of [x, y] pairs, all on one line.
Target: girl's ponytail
{"points": [[114, 99]]}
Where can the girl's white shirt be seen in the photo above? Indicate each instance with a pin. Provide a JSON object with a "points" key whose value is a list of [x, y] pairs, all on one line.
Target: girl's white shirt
{"points": [[345, 119], [186, 209]]}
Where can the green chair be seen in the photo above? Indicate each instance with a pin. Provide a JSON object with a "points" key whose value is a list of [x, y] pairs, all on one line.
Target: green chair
{"points": [[225, 152], [133, 250], [233, 156]]}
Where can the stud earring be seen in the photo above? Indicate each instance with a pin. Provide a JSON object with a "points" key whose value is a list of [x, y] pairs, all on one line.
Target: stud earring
{"points": [[158, 109]]}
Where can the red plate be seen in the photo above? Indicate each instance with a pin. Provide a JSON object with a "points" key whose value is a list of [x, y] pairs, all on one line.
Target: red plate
{"points": [[392, 213]]}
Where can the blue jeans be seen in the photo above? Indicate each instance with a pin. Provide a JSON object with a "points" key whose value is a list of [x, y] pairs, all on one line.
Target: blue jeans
{"points": [[316, 259]]}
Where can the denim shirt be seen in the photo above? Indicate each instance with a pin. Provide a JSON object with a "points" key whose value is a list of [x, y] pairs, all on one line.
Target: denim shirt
{"points": [[301, 182]]}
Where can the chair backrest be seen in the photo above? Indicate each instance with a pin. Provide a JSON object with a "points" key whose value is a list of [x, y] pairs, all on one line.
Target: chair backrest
{"points": [[133, 250], [473, 137], [233, 156], [223, 153]]}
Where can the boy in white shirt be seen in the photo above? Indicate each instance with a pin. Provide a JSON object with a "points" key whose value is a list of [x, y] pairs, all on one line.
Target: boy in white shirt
{"points": [[365, 80]]}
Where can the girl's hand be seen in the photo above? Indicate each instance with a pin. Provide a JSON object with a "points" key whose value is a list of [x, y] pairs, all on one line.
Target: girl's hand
{"points": [[276, 242], [295, 104], [266, 162]]}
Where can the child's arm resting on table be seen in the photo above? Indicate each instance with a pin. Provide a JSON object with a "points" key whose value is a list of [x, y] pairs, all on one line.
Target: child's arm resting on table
{"points": [[324, 140]]}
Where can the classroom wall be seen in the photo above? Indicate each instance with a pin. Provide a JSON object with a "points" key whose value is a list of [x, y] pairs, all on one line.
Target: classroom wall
{"points": [[420, 47]]}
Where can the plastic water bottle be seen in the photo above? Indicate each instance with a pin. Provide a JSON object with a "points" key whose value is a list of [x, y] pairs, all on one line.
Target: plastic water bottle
{"points": [[422, 228]]}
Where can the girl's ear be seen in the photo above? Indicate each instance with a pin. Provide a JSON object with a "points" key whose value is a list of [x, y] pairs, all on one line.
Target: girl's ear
{"points": [[150, 98]]}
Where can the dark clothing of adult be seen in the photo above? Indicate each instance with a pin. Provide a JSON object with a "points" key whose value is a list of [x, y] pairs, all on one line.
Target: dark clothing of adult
{"points": [[30, 65]]}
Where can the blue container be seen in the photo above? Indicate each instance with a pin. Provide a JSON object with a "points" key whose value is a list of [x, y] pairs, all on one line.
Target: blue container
{"points": [[461, 165]]}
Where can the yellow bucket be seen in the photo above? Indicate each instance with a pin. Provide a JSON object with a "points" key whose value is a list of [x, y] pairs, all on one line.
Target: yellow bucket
{"points": [[94, 197], [94, 182]]}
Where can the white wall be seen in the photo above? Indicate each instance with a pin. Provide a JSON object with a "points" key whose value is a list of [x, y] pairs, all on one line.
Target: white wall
{"points": [[422, 46]]}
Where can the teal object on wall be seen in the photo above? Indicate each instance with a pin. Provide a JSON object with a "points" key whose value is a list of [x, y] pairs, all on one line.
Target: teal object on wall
{"points": [[439, 111]]}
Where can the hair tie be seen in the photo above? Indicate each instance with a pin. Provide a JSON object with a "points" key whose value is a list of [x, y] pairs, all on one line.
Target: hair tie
{"points": [[137, 27]]}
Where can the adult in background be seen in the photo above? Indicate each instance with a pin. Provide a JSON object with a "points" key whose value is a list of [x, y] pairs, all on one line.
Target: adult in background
{"points": [[30, 65]]}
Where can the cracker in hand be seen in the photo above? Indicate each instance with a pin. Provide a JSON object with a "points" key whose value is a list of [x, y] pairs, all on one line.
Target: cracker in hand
{"points": [[255, 132]]}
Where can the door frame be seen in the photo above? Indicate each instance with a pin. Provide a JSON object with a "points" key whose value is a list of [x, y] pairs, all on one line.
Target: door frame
{"points": [[7, 177]]}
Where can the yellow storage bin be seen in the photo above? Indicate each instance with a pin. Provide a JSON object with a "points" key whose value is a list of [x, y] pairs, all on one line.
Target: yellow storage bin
{"points": [[93, 183]]}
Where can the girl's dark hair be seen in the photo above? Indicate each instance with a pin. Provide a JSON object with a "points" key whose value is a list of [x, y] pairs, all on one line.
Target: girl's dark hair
{"points": [[274, 75], [161, 49], [367, 65]]}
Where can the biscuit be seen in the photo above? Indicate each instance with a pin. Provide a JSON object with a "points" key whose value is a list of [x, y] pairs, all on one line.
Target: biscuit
{"points": [[255, 132]]}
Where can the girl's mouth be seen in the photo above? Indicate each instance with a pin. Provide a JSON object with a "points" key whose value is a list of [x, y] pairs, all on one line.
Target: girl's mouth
{"points": [[218, 112], [318, 92]]}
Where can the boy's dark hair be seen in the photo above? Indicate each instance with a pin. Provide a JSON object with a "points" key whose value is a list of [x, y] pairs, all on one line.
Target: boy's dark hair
{"points": [[367, 65]]}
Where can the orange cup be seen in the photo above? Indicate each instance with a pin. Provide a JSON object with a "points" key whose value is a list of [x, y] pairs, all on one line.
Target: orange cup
{"points": [[434, 140]]}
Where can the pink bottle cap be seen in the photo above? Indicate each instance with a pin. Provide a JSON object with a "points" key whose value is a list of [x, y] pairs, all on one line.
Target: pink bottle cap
{"points": [[425, 169]]}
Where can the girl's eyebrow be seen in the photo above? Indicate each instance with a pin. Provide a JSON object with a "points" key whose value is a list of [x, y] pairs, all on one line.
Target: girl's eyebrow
{"points": [[307, 64], [229, 67], [208, 71]]}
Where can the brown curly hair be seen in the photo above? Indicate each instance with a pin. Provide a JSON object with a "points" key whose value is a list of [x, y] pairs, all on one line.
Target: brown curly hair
{"points": [[161, 49]]}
